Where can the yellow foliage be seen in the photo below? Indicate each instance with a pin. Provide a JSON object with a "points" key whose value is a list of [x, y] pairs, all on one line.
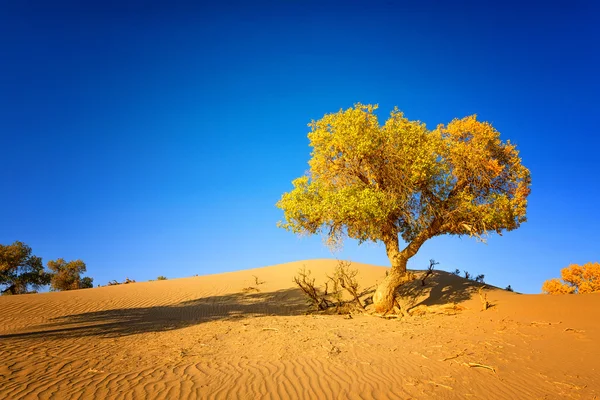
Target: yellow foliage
{"points": [[369, 181], [575, 279]]}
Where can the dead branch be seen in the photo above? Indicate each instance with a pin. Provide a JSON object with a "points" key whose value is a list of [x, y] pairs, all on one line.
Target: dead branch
{"points": [[485, 304], [307, 285], [347, 280], [477, 365], [429, 271]]}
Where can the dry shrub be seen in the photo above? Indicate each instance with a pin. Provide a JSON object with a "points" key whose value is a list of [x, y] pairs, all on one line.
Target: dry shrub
{"points": [[432, 263], [344, 278], [307, 285], [125, 282], [575, 279]]}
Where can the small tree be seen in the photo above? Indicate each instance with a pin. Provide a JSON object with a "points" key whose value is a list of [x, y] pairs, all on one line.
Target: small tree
{"points": [[575, 279], [67, 275], [20, 272], [376, 183]]}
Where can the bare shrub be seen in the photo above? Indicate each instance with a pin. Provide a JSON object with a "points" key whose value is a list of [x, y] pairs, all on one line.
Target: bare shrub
{"points": [[307, 284], [343, 279], [346, 278], [429, 271], [125, 282]]}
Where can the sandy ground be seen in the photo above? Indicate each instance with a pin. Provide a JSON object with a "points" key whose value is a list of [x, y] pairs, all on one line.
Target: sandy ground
{"points": [[226, 337]]}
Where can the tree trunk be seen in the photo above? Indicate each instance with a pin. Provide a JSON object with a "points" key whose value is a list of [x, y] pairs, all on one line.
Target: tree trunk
{"points": [[384, 297]]}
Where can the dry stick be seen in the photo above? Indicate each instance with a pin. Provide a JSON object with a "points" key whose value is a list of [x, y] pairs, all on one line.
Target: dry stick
{"points": [[439, 384], [270, 329], [477, 365], [573, 330], [456, 356], [483, 296]]}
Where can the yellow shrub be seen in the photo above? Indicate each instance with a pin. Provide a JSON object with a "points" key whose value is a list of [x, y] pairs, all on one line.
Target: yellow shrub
{"points": [[576, 279]]}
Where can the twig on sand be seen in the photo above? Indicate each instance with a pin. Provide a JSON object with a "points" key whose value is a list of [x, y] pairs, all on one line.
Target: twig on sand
{"points": [[419, 354], [477, 365], [270, 329], [455, 356], [439, 384], [570, 385], [574, 330]]}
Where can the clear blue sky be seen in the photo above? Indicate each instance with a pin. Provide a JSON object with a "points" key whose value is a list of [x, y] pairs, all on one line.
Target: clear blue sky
{"points": [[155, 139]]}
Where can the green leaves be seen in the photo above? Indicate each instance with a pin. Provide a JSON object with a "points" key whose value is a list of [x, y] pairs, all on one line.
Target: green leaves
{"points": [[367, 180]]}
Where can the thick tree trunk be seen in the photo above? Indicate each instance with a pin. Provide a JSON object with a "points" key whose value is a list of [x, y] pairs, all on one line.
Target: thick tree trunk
{"points": [[384, 297]]}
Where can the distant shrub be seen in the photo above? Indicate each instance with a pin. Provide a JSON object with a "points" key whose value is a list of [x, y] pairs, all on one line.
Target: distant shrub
{"points": [[467, 275], [125, 282], [575, 279], [161, 278], [509, 288], [67, 275]]}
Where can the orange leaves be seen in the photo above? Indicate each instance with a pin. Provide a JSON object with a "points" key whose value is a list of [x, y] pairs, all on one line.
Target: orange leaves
{"points": [[555, 286], [576, 279]]}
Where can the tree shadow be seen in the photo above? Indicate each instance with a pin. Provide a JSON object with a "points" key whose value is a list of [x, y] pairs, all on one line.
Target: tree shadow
{"points": [[131, 321], [440, 288]]}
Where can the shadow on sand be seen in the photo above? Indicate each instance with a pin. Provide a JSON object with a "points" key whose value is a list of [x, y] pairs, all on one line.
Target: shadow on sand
{"points": [[440, 288], [131, 321]]}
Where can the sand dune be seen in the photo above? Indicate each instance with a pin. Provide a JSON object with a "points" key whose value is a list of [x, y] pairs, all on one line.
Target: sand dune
{"points": [[226, 337]]}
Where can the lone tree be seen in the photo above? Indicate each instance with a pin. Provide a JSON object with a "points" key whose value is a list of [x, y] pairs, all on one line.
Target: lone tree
{"points": [[67, 275], [576, 279], [20, 272], [376, 183]]}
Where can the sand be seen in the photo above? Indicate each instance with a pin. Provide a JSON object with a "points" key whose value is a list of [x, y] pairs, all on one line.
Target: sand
{"points": [[226, 337]]}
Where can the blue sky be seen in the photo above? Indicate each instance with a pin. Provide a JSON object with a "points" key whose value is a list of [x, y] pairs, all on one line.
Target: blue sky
{"points": [[155, 139]]}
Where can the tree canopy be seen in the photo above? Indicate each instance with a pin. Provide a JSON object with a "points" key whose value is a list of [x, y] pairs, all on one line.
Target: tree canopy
{"points": [[375, 182], [367, 180], [20, 271]]}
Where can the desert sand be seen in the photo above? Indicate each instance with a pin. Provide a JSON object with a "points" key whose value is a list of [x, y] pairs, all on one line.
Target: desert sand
{"points": [[247, 335]]}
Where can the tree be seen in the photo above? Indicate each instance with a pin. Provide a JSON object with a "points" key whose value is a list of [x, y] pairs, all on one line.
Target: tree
{"points": [[376, 183], [20, 271], [67, 275], [576, 279]]}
